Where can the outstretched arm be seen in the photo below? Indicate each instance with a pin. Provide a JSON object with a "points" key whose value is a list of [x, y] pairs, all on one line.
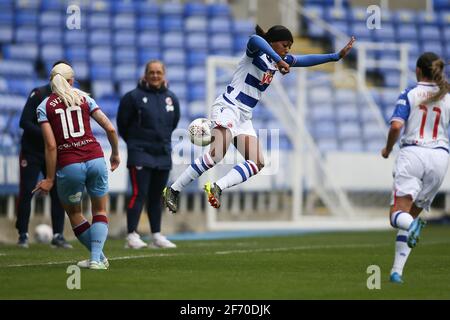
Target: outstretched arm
{"points": [[315, 59]]}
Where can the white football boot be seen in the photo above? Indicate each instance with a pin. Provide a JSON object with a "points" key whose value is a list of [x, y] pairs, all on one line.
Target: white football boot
{"points": [[86, 263], [161, 241], [134, 241]]}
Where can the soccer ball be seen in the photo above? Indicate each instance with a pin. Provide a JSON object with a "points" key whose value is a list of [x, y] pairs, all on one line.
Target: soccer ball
{"points": [[43, 233], [200, 132]]}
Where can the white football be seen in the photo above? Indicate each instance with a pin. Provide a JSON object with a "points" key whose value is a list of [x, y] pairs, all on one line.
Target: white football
{"points": [[200, 131], [43, 233]]}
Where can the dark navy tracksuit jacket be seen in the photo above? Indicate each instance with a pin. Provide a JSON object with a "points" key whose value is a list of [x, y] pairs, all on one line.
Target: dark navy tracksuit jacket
{"points": [[146, 119], [32, 162]]}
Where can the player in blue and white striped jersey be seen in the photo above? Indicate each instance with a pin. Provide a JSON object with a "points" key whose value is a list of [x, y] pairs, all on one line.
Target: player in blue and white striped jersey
{"points": [[231, 113], [421, 164]]}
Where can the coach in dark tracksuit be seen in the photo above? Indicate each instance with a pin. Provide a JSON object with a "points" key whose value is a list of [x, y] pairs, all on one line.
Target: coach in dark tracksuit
{"points": [[146, 119], [32, 162]]}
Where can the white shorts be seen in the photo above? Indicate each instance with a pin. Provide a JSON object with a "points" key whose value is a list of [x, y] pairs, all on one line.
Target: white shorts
{"points": [[419, 172], [227, 116]]}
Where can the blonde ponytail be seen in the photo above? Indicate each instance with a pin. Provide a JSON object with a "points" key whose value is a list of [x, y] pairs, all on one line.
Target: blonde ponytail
{"points": [[60, 86]]}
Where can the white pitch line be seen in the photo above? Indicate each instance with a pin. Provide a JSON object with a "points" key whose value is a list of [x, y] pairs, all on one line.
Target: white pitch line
{"points": [[74, 262], [310, 247], [314, 247]]}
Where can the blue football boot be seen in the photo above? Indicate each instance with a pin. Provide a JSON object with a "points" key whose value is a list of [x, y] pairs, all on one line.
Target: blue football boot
{"points": [[396, 278], [414, 232]]}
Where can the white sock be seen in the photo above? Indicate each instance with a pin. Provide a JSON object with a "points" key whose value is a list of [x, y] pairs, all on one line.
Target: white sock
{"points": [[238, 174], [401, 220], [195, 170], [401, 252]]}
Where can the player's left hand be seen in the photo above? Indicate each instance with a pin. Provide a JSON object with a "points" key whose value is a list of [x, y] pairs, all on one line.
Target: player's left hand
{"points": [[43, 187], [385, 153], [344, 51]]}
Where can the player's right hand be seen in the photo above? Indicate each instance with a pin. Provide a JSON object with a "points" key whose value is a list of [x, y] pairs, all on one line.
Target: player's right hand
{"points": [[114, 160], [43, 187], [283, 67], [385, 153]]}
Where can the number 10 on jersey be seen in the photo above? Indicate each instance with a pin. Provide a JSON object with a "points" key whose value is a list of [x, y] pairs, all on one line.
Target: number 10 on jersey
{"points": [[67, 122]]}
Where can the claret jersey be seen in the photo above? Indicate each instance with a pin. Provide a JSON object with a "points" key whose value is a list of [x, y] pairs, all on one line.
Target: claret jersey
{"points": [[71, 128]]}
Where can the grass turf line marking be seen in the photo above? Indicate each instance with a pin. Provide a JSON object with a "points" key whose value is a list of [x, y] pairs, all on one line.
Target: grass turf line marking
{"points": [[314, 247], [311, 247]]}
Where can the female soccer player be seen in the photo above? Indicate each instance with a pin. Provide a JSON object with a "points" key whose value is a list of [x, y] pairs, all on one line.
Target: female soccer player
{"points": [[421, 164], [267, 53], [72, 152]]}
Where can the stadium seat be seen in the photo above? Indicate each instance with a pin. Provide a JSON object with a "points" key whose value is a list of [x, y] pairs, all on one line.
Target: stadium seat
{"points": [[125, 38], [21, 52], [6, 34], [221, 43], [173, 40], [100, 54], [125, 55], [100, 37], [100, 72], [406, 32], [147, 54], [385, 34], [327, 145], [173, 56], [124, 7], [50, 36], [196, 24], [195, 9], [99, 21], [51, 53], [75, 37], [349, 130], [197, 42], [102, 88], [148, 23], [196, 58], [428, 33], [148, 8], [176, 74], [172, 9], [169, 23], [51, 19], [81, 70], [148, 39], [322, 112], [352, 145], [77, 53], [26, 35], [219, 10], [126, 86], [196, 75], [26, 18], [219, 25], [347, 113], [325, 130], [124, 21]]}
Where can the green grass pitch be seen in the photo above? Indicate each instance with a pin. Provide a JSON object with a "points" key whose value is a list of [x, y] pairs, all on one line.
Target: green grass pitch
{"points": [[311, 266]]}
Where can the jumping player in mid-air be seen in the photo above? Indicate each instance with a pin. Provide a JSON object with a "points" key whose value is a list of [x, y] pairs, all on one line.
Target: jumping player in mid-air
{"points": [[74, 155], [421, 164], [231, 114]]}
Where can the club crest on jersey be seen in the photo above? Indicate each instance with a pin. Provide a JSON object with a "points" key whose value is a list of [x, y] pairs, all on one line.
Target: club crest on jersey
{"points": [[144, 99], [267, 77]]}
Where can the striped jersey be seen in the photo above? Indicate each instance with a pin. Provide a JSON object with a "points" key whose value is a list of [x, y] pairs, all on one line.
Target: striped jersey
{"points": [[251, 78], [425, 125]]}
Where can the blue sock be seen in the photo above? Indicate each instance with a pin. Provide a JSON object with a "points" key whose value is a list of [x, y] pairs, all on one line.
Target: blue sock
{"points": [[99, 233], [83, 233]]}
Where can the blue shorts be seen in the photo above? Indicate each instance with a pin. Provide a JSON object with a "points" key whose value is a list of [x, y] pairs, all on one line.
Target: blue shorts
{"points": [[73, 178]]}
